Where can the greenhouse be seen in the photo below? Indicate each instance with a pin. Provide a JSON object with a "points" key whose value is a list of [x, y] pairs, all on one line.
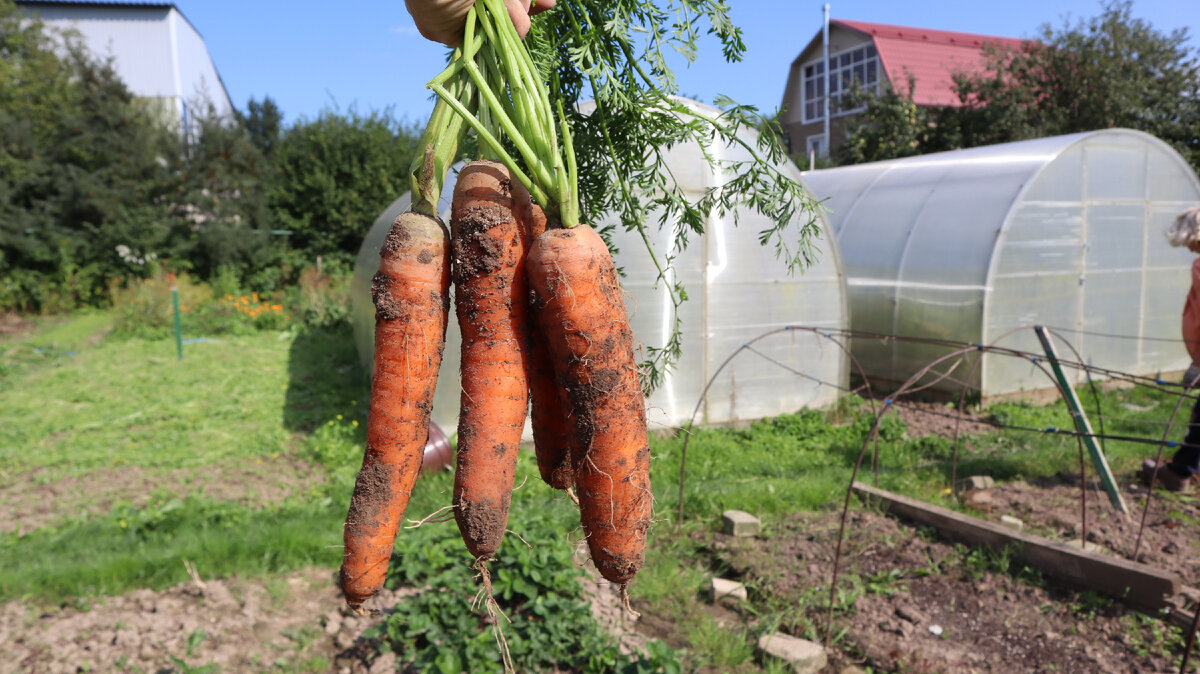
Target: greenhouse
{"points": [[979, 245], [737, 290]]}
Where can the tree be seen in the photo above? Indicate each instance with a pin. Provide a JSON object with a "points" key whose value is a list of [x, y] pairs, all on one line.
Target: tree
{"points": [[1113, 70], [894, 126], [264, 122], [220, 204], [336, 174], [81, 177]]}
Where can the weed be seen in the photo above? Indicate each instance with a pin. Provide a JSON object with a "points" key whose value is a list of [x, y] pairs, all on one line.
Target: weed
{"points": [[194, 640]]}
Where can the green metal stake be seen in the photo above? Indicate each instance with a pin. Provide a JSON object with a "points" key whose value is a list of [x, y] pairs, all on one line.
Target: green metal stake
{"points": [[178, 328], [1081, 423]]}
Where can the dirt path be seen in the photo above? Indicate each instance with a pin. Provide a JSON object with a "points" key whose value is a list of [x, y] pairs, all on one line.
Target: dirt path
{"points": [[30, 501]]}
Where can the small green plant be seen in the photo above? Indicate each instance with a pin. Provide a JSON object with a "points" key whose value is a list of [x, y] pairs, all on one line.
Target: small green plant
{"points": [[886, 583], [194, 640], [185, 668], [549, 626]]}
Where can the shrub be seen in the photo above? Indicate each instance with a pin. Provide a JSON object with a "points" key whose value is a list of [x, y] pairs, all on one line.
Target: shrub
{"points": [[321, 298], [145, 308]]}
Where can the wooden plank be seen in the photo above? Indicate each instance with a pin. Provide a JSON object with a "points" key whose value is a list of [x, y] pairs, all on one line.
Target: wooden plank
{"points": [[1137, 583], [1081, 423]]}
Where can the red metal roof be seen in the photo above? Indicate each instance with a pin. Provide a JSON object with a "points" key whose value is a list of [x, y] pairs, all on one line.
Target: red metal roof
{"points": [[931, 56]]}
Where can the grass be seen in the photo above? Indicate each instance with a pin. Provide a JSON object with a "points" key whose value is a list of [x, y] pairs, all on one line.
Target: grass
{"points": [[73, 404]]}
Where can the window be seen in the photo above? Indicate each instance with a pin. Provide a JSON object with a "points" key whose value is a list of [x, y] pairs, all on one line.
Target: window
{"points": [[856, 66], [816, 145]]}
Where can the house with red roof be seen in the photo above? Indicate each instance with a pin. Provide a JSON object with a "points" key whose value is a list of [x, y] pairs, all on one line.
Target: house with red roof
{"points": [[873, 55]]}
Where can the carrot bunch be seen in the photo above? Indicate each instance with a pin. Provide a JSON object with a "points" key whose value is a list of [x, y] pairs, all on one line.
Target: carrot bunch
{"points": [[539, 305]]}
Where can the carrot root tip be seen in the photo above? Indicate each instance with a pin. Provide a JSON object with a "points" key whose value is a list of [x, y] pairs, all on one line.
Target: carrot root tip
{"points": [[625, 601]]}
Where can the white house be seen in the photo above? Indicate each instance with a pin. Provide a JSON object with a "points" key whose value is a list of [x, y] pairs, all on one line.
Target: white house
{"points": [[156, 51]]}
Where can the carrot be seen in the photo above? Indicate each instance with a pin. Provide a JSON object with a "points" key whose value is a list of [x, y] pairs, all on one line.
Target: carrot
{"points": [[577, 305], [550, 411], [491, 304], [411, 306]]}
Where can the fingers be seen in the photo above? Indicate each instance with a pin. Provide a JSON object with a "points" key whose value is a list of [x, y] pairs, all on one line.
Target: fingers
{"points": [[541, 6], [518, 10], [442, 20]]}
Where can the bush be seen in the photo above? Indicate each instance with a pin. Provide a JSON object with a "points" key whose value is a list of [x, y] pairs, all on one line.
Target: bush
{"points": [[321, 298], [145, 308]]}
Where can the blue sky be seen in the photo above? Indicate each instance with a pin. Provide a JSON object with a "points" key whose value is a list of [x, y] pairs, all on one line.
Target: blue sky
{"points": [[366, 54]]}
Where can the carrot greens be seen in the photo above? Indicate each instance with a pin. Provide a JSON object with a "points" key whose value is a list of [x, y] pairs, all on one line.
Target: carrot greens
{"points": [[607, 158]]}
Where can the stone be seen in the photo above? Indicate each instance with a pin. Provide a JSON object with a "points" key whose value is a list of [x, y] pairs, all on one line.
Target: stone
{"points": [[978, 499], [333, 623], [909, 613], [384, 663], [727, 592], [1010, 521], [976, 482], [802, 656], [739, 523]]}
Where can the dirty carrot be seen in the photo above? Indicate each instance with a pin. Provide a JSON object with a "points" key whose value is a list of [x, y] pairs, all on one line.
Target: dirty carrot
{"points": [[491, 304], [550, 411], [577, 305], [411, 308]]}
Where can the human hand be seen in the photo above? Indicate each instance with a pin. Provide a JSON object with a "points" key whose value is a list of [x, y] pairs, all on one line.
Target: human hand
{"points": [[442, 20]]}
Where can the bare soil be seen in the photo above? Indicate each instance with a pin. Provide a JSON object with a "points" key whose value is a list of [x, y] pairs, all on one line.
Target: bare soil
{"points": [[933, 418], [237, 625], [30, 503], [928, 608], [920, 604], [16, 326], [298, 621]]}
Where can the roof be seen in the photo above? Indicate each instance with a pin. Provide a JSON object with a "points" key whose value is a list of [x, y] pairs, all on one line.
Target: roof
{"points": [[134, 4], [933, 57], [148, 63], [117, 3]]}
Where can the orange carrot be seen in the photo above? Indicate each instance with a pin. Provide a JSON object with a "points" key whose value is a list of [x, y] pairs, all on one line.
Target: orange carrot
{"points": [[491, 303], [411, 305], [550, 411], [577, 305]]}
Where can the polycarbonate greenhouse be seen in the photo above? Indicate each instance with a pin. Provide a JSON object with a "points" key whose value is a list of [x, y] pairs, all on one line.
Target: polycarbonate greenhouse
{"points": [[737, 290], [977, 245]]}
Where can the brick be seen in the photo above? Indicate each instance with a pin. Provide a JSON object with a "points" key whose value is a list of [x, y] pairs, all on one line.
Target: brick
{"points": [[738, 523], [1010, 521], [803, 657], [976, 482], [727, 592]]}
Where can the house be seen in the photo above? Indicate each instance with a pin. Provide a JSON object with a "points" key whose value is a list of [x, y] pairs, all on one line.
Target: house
{"points": [[872, 55], [156, 51]]}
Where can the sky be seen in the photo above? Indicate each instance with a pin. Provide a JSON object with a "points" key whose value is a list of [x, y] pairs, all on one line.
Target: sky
{"points": [[366, 55]]}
